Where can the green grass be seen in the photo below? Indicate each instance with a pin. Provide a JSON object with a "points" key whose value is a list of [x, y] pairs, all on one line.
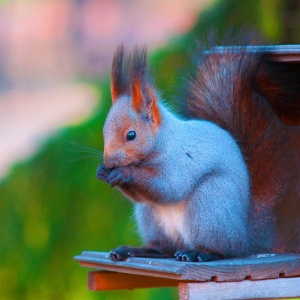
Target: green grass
{"points": [[52, 208]]}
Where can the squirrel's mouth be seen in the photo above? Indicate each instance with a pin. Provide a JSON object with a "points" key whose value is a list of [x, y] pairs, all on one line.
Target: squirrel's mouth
{"points": [[117, 159], [110, 165]]}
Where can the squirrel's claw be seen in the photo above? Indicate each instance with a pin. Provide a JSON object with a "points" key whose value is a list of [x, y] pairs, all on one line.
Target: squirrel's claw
{"points": [[186, 256]]}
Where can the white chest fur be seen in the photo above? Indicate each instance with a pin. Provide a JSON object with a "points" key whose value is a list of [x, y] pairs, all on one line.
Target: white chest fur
{"points": [[171, 220]]}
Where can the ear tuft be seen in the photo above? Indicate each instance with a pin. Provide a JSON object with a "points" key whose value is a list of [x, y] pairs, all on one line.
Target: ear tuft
{"points": [[119, 74]]}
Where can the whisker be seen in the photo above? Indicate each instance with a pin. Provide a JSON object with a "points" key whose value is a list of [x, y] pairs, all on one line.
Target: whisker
{"points": [[85, 151], [89, 163], [83, 148], [85, 157]]}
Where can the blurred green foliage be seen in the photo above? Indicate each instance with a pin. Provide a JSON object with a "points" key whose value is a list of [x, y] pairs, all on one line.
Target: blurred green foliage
{"points": [[52, 207]]}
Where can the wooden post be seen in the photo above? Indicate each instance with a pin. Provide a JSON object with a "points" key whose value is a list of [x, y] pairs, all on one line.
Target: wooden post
{"points": [[246, 289]]}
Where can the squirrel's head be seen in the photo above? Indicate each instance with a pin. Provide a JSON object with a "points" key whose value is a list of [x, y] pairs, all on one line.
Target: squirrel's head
{"points": [[134, 118]]}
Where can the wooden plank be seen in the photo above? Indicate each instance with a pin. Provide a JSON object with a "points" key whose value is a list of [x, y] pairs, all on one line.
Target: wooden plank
{"points": [[105, 280], [265, 266], [283, 53], [247, 289], [162, 268]]}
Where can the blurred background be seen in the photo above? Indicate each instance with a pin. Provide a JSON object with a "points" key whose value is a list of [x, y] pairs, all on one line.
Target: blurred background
{"points": [[55, 58]]}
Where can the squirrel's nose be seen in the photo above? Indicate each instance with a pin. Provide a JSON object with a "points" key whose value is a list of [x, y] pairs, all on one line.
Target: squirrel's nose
{"points": [[109, 162]]}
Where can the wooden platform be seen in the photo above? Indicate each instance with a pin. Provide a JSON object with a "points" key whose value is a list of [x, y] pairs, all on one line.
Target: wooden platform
{"points": [[259, 276]]}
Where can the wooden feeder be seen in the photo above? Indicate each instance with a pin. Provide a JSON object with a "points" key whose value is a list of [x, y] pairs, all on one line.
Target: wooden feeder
{"points": [[261, 276]]}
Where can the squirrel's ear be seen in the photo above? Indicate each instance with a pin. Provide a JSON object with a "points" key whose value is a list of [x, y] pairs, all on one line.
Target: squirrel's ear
{"points": [[143, 96], [119, 75], [144, 101], [137, 97], [152, 111]]}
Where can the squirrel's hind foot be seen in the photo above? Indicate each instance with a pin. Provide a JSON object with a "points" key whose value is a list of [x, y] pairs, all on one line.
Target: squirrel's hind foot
{"points": [[124, 252], [195, 256]]}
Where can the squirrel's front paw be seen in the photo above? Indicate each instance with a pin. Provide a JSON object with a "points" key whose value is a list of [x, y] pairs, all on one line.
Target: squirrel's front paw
{"points": [[118, 176], [102, 172]]}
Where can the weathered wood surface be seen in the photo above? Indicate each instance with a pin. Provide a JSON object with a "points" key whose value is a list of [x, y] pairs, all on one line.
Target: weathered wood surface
{"points": [[247, 289], [264, 266], [284, 53]]}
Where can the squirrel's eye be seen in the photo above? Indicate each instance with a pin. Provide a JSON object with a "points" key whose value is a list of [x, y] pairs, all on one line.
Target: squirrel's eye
{"points": [[131, 135]]}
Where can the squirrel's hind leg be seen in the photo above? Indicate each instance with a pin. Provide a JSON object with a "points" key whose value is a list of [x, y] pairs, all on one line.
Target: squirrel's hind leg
{"points": [[124, 252]]}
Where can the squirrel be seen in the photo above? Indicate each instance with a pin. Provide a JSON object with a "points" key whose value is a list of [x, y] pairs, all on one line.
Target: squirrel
{"points": [[219, 180]]}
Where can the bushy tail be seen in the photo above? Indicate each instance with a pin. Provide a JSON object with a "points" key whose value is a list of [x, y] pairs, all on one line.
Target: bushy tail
{"points": [[245, 91]]}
